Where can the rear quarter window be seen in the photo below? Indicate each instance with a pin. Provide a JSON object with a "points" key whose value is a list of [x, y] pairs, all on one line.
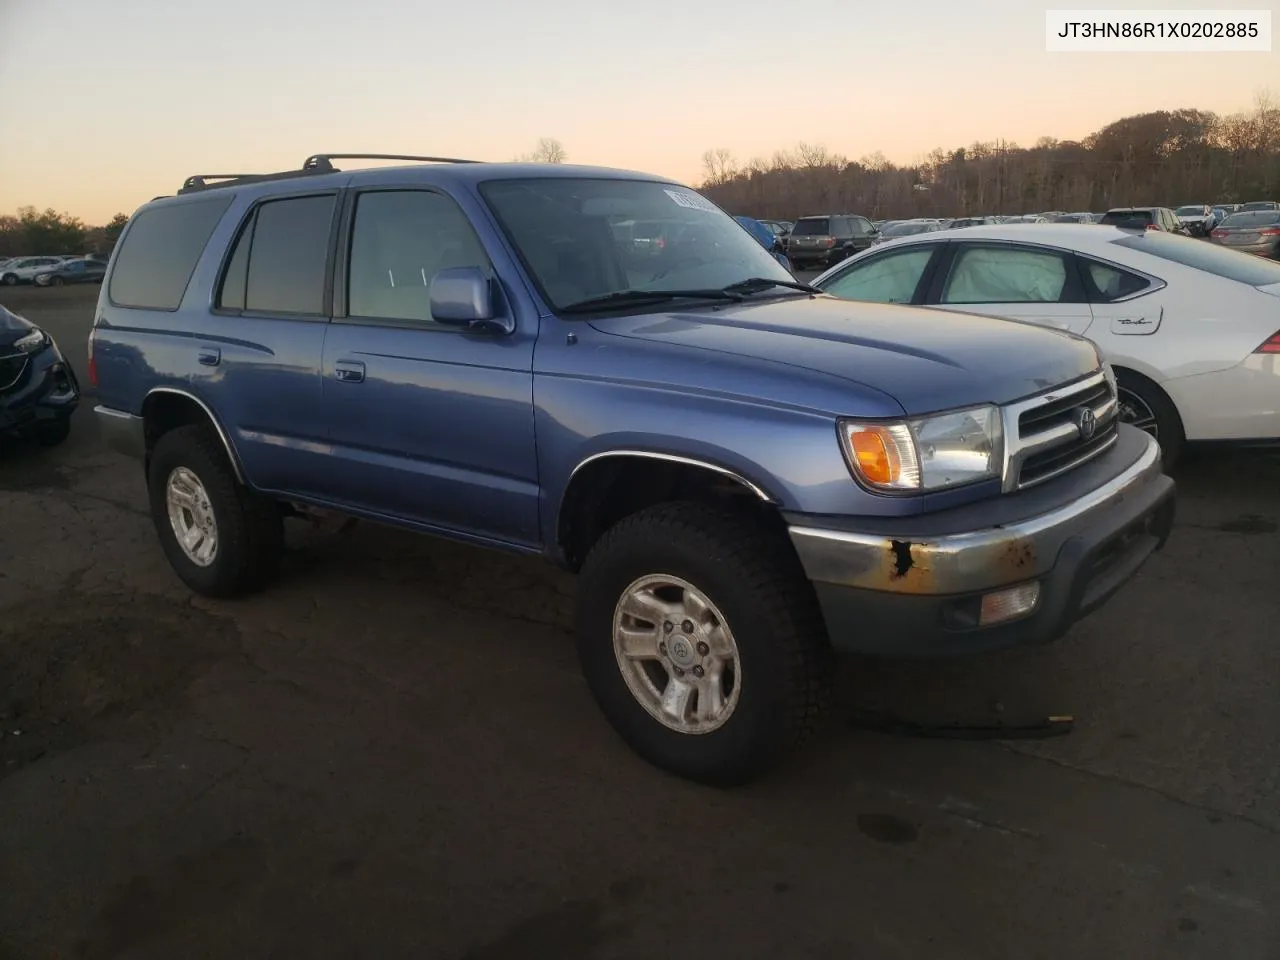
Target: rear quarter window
{"points": [[1209, 257], [159, 252]]}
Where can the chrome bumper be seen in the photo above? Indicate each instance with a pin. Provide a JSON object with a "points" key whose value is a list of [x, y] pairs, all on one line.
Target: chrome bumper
{"points": [[122, 431], [981, 559]]}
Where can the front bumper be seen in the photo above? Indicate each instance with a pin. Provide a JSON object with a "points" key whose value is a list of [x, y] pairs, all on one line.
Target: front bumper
{"points": [[35, 389], [914, 591]]}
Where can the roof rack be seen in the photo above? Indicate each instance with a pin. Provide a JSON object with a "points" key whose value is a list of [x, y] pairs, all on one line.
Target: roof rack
{"points": [[316, 164]]}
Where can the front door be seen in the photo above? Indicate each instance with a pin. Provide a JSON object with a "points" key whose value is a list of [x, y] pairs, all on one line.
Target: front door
{"points": [[1019, 282], [427, 422]]}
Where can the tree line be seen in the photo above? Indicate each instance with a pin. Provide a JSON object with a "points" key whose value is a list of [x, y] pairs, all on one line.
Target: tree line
{"points": [[32, 233], [1165, 158]]}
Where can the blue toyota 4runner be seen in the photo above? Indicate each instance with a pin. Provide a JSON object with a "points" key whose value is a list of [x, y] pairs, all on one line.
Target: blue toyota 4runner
{"points": [[745, 474]]}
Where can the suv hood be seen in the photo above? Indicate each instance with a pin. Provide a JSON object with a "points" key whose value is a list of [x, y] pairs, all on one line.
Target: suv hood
{"points": [[925, 359], [12, 327]]}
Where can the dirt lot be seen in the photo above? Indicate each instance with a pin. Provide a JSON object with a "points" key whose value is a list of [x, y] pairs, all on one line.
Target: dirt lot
{"points": [[390, 754]]}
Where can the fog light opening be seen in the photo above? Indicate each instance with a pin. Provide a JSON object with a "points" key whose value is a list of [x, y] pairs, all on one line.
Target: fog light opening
{"points": [[1009, 603]]}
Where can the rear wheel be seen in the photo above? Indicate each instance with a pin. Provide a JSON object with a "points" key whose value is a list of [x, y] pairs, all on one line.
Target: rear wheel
{"points": [[10, 279], [1145, 406], [57, 281], [702, 642], [221, 538]]}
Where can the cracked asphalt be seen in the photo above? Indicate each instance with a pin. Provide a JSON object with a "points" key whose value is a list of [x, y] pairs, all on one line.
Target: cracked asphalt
{"points": [[391, 754]]}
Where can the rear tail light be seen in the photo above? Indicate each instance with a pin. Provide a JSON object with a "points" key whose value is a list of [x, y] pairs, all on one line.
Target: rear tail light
{"points": [[1270, 232], [1218, 233], [660, 243], [830, 241], [93, 366], [1153, 226], [1270, 345]]}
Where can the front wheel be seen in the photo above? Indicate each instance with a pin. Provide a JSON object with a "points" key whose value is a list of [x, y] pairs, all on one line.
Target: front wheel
{"points": [[221, 538], [57, 282], [53, 432], [10, 279], [702, 642]]}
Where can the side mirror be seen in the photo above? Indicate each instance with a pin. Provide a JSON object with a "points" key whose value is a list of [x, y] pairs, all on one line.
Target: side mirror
{"points": [[464, 297]]}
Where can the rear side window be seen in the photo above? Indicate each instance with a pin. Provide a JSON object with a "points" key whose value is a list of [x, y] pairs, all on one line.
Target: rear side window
{"points": [[159, 253], [1005, 275], [1111, 283], [279, 261], [814, 227], [1209, 257]]}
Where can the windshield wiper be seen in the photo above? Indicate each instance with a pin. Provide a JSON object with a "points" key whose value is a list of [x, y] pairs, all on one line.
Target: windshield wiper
{"points": [[624, 298], [756, 284]]}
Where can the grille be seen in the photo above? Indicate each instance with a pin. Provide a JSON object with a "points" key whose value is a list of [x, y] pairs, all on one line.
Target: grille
{"points": [[11, 369], [1049, 439]]}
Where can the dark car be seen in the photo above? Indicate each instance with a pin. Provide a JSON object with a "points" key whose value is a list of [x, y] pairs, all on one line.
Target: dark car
{"points": [[38, 390], [1144, 218], [71, 271], [1255, 231], [823, 241]]}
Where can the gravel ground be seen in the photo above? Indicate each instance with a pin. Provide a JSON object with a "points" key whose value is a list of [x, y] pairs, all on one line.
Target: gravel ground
{"points": [[391, 754]]}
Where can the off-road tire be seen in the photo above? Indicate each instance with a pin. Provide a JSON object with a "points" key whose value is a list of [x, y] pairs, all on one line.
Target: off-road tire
{"points": [[750, 572], [250, 527]]}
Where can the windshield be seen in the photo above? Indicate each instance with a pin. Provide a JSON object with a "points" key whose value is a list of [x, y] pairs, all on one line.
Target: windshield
{"points": [[563, 230], [1192, 211], [1209, 257], [1260, 205]]}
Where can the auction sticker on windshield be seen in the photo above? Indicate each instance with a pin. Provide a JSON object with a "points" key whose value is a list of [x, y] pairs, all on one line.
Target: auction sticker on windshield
{"points": [[691, 200]]}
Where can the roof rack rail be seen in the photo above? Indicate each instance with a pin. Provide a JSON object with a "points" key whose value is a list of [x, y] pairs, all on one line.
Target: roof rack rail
{"points": [[322, 160], [318, 163]]}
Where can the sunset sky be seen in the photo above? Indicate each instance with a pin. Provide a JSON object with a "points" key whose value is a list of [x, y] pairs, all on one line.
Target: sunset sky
{"points": [[109, 104]]}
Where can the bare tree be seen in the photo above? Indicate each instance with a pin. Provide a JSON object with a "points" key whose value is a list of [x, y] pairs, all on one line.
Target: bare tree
{"points": [[718, 166], [1155, 158], [548, 150]]}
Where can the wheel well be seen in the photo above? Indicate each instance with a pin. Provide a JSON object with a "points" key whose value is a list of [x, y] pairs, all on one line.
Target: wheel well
{"points": [[162, 412], [1129, 373], [608, 489]]}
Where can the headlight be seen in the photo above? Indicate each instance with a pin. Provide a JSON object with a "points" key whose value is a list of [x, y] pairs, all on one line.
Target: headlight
{"points": [[930, 453], [33, 342], [1110, 374]]}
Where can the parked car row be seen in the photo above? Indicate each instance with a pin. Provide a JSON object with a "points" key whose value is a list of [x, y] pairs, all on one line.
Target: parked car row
{"points": [[52, 271], [821, 241]]}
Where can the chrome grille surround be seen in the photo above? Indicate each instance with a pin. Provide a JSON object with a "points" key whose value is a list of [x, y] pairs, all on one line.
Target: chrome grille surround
{"points": [[12, 367], [1042, 438]]}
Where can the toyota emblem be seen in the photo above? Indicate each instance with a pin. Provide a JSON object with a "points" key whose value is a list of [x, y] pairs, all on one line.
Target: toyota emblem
{"points": [[1086, 423]]}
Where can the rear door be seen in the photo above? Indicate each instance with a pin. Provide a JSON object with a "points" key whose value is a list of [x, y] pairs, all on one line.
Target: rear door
{"points": [[1034, 284], [258, 355]]}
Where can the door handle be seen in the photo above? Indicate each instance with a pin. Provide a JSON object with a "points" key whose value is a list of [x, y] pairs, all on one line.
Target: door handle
{"points": [[349, 371], [209, 356]]}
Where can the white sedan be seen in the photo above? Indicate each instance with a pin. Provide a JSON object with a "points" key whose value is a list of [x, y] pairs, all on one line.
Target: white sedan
{"points": [[1191, 328]]}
